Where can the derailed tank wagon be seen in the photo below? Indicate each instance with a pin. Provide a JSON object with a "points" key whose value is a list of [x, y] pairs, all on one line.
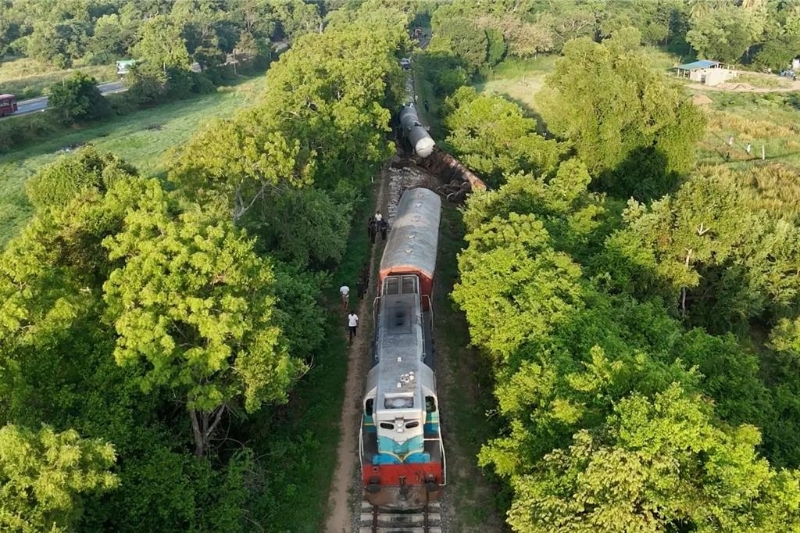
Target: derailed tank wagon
{"points": [[400, 444], [416, 134]]}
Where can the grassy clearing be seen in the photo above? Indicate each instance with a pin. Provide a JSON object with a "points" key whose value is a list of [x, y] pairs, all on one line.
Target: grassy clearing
{"points": [[142, 138], [519, 80], [27, 78], [762, 119], [762, 80]]}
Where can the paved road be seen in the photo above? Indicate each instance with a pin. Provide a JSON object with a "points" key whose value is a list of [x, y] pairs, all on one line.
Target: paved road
{"points": [[39, 104]]}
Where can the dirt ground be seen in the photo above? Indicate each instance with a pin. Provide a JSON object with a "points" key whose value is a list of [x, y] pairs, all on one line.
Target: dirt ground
{"points": [[736, 87], [343, 489]]}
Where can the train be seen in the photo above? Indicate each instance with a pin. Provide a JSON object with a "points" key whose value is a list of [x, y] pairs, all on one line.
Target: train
{"points": [[402, 456], [416, 134], [413, 130]]}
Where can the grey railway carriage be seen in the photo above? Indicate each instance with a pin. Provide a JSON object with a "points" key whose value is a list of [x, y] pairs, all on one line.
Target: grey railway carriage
{"points": [[400, 445]]}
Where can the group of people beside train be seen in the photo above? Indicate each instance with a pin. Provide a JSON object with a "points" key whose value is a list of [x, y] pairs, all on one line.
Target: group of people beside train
{"points": [[375, 224]]}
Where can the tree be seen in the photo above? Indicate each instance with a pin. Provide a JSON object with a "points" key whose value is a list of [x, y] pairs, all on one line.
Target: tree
{"points": [[305, 226], [323, 117], [110, 39], [711, 250], [161, 45], [463, 37], [78, 98], [197, 306], [725, 31], [494, 139], [44, 474], [58, 183], [633, 130], [541, 290], [57, 44], [658, 465]]}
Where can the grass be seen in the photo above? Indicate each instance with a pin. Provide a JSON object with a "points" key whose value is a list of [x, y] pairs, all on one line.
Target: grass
{"points": [[519, 80], [762, 80], [27, 78], [141, 138], [761, 119]]}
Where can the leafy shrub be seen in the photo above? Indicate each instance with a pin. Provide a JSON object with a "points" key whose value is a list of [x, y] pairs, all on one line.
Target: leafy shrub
{"points": [[59, 182], [20, 130], [78, 98]]}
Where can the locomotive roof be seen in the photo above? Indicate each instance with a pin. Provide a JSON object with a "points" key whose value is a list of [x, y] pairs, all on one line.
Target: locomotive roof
{"points": [[399, 346], [399, 350], [415, 234]]}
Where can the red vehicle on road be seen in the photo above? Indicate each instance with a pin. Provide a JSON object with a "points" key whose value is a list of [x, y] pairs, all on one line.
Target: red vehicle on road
{"points": [[8, 104]]}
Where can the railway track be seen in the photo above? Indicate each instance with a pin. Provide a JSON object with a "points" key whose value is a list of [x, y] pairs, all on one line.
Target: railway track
{"points": [[375, 520]]}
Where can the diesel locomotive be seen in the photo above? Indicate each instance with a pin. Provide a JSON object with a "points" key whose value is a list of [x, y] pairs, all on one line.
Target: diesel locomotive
{"points": [[400, 442]]}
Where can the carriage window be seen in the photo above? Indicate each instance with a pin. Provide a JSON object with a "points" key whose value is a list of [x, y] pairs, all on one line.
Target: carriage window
{"points": [[430, 404], [412, 425], [369, 407], [387, 425]]}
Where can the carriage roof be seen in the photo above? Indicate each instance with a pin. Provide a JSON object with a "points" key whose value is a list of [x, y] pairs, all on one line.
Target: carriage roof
{"points": [[414, 237]]}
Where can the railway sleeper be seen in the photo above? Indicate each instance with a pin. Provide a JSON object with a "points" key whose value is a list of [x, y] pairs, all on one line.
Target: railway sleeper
{"points": [[397, 520], [380, 529]]}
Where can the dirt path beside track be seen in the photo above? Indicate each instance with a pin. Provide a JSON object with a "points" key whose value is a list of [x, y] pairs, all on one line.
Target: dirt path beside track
{"points": [[344, 489]]}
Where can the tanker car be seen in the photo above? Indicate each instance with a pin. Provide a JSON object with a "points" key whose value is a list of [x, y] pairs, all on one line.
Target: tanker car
{"points": [[400, 442], [413, 130]]}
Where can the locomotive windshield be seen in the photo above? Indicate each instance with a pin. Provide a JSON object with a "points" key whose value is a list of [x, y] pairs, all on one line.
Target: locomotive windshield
{"points": [[406, 401]]}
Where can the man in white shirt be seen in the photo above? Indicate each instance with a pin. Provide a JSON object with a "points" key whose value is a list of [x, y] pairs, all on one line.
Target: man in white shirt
{"points": [[352, 322], [344, 290]]}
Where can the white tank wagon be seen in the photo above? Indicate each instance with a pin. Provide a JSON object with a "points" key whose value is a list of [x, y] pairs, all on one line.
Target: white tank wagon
{"points": [[415, 132]]}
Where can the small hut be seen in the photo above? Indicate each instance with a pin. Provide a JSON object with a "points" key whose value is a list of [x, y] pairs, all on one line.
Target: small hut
{"points": [[705, 71]]}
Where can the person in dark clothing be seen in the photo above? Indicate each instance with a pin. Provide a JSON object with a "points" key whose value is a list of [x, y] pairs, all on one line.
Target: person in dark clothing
{"points": [[383, 225], [360, 288], [372, 229], [426, 106]]}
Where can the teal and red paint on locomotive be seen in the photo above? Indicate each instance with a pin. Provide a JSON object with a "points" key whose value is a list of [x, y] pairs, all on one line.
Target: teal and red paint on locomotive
{"points": [[402, 457]]}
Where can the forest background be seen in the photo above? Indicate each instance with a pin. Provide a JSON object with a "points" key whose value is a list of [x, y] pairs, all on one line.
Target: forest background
{"points": [[639, 312]]}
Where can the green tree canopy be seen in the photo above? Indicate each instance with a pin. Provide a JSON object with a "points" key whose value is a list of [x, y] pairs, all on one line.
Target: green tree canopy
{"points": [[658, 464], [78, 98], [494, 139], [43, 475], [196, 305], [631, 127], [58, 183]]}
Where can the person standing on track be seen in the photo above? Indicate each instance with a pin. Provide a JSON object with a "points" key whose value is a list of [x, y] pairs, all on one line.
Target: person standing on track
{"points": [[352, 323], [344, 290]]}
